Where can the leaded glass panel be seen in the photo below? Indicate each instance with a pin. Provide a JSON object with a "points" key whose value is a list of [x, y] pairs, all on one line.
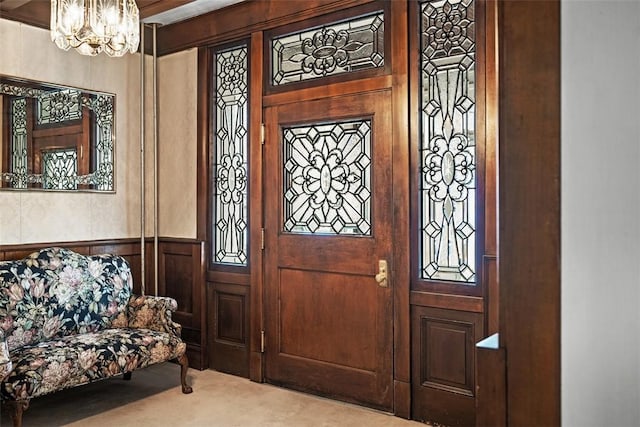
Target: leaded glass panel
{"points": [[327, 178], [447, 151], [340, 47], [102, 107], [230, 232], [58, 106], [19, 161], [60, 169]]}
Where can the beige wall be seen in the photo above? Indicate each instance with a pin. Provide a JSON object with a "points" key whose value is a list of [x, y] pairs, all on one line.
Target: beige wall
{"points": [[27, 216], [177, 144]]}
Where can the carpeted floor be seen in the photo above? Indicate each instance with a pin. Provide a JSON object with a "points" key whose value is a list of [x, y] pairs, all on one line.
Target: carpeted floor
{"points": [[153, 398]]}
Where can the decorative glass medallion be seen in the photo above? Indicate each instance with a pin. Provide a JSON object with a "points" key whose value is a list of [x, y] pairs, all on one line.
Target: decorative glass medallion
{"points": [[230, 231], [340, 47], [448, 157], [327, 178]]}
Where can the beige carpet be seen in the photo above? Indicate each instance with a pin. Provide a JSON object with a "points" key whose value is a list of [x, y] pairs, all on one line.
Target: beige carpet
{"points": [[153, 398]]}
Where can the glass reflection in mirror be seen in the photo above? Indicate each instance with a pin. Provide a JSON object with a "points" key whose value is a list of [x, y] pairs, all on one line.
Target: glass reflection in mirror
{"points": [[55, 137]]}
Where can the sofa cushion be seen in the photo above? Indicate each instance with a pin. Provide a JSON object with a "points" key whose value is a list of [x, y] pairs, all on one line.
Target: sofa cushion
{"points": [[56, 292], [79, 359]]}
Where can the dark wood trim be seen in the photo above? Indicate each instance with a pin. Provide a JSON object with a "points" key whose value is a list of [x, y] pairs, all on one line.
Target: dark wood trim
{"points": [[492, 297], [491, 409], [203, 135], [490, 258], [228, 337], [400, 234], [153, 7], [443, 365], [336, 89], [256, 321], [448, 301], [529, 211], [181, 260], [241, 20]]}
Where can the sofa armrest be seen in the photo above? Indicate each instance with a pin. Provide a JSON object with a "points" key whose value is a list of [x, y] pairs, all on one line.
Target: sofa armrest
{"points": [[151, 312], [5, 358]]}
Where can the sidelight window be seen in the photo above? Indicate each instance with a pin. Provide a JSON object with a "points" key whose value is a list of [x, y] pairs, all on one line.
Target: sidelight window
{"points": [[230, 156], [447, 146]]}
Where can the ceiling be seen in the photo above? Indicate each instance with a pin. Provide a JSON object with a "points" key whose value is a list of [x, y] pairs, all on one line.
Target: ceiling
{"points": [[37, 12]]}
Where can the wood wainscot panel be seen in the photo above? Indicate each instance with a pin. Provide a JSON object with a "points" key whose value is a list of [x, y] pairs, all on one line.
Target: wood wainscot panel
{"points": [[443, 374], [229, 328], [131, 252], [181, 276], [127, 248]]}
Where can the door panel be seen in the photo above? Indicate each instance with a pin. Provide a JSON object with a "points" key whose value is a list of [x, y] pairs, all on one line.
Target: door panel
{"points": [[327, 224]]}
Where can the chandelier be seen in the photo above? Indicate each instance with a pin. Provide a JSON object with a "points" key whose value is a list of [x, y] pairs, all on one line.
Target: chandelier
{"points": [[94, 26]]}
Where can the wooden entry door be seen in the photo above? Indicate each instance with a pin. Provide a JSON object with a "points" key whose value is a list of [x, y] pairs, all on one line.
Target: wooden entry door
{"points": [[328, 212]]}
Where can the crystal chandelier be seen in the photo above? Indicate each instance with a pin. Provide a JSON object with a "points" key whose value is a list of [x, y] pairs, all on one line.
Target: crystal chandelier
{"points": [[94, 26]]}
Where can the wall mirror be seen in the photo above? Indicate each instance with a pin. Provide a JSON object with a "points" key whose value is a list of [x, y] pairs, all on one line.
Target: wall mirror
{"points": [[55, 137]]}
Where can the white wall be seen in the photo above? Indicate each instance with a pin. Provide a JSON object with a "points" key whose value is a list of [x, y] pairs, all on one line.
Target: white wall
{"points": [[27, 216], [600, 213]]}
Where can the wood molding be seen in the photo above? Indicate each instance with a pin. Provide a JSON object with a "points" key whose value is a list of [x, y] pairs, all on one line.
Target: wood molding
{"points": [[491, 392], [401, 207], [443, 365], [256, 321], [241, 20], [447, 301], [529, 211]]}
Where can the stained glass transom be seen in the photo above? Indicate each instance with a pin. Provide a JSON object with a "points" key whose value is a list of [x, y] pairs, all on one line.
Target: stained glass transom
{"points": [[60, 169], [336, 48], [327, 178], [447, 151], [231, 157]]}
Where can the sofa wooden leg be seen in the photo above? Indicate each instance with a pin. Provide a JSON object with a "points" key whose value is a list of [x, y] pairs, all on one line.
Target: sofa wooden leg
{"points": [[184, 366], [126, 376], [16, 408]]}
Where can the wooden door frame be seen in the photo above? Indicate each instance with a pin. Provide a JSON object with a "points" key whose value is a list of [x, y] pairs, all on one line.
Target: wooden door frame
{"points": [[529, 129], [529, 208]]}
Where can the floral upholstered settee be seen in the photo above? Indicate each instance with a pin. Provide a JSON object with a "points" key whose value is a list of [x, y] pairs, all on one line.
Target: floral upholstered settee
{"points": [[67, 319]]}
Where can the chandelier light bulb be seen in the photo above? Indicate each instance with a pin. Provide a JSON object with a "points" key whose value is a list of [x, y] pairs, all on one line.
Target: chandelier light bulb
{"points": [[94, 26]]}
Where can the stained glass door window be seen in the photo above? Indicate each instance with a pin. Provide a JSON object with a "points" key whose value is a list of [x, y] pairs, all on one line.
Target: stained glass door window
{"points": [[327, 178]]}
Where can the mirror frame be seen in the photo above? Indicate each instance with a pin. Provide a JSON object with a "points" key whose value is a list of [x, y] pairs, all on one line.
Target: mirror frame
{"points": [[80, 133]]}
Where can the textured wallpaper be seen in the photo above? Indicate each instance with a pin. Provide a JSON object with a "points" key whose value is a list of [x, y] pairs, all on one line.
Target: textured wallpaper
{"points": [[30, 216]]}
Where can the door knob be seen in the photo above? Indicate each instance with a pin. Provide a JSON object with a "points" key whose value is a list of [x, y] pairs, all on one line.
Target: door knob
{"points": [[381, 277]]}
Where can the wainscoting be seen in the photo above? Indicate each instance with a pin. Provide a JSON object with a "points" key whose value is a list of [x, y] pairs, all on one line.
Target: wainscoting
{"points": [[180, 276]]}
